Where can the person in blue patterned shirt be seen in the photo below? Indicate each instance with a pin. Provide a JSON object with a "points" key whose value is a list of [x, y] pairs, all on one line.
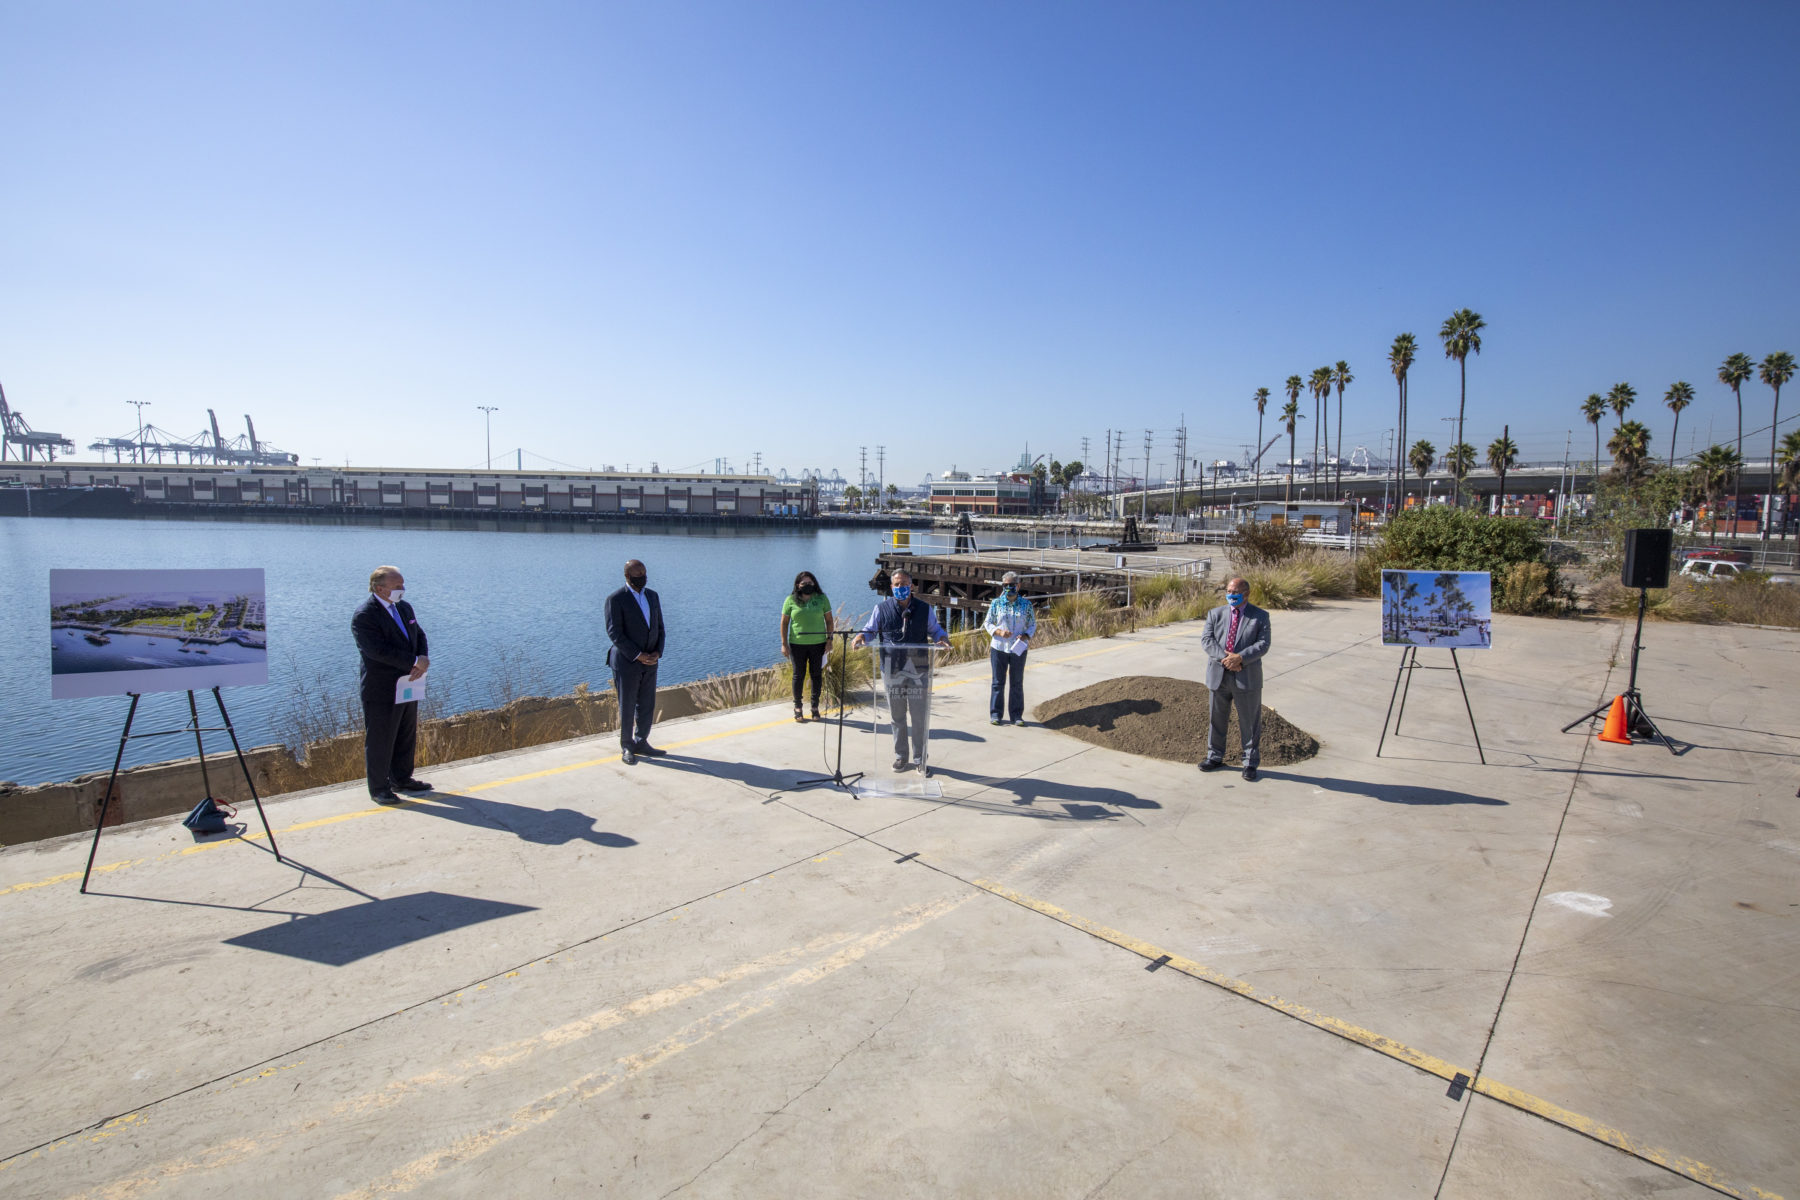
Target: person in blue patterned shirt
{"points": [[1012, 623]]}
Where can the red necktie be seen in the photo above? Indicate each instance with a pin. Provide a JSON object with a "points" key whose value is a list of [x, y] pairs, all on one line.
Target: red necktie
{"points": [[1231, 638]]}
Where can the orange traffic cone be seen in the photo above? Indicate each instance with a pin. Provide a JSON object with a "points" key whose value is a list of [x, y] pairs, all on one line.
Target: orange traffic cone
{"points": [[1617, 728]]}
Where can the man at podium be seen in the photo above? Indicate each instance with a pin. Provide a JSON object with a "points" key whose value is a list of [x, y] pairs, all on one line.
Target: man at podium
{"points": [[903, 620]]}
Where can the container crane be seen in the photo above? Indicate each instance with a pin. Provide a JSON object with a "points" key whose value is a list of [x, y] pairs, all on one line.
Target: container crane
{"points": [[17, 436]]}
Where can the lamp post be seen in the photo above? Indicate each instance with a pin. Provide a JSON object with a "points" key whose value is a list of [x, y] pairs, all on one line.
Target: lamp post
{"points": [[138, 450], [489, 410]]}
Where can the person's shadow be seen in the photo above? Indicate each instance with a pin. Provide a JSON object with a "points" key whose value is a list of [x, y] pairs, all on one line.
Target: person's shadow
{"points": [[543, 827], [1103, 716], [1078, 802], [1387, 793]]}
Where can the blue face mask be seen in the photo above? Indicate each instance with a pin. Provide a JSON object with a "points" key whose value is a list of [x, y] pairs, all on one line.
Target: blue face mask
{"points": [[903, 593], [1235, 599], [1009, 591]]}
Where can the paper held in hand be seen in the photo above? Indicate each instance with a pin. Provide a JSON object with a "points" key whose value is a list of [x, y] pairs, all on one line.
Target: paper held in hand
{"points": [[409, 691]]}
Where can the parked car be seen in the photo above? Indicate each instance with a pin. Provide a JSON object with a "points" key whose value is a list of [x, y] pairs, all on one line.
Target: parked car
{"points": [[1706, 570], [1720, 553]]}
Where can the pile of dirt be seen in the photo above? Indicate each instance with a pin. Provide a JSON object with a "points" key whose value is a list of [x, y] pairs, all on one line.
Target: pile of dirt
{"points": [[1165, 718]]}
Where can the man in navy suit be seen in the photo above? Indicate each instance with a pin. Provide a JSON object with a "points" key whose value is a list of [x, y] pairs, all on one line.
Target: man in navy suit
{"points": [[634, 626], [393, 647], [1235, 638]]}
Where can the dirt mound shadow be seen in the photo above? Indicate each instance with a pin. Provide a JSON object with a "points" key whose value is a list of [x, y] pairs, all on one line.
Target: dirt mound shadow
{"points": [[1165, 718]]}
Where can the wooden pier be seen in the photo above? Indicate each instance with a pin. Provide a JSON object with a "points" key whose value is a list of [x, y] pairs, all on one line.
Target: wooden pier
{"points": [[961, 585]]}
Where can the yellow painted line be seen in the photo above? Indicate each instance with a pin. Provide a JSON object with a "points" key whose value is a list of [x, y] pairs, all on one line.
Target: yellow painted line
{"points": [[71, 877], [1187, 966], [1512, 1097]]}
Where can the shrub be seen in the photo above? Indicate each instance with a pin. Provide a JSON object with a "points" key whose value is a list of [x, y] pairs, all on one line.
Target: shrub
{"points": [[1281, 587], [1525, 588], [1753, 600], [1680, 601], [1257, 544], [1327, 573], [1441, 538]]}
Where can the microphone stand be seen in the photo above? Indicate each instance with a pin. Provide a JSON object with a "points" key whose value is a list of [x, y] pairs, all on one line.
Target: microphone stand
{"points": [[837, 778]]}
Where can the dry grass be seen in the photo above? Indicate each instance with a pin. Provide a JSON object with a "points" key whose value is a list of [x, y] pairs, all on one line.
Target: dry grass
{"points": [[1682, 600]]}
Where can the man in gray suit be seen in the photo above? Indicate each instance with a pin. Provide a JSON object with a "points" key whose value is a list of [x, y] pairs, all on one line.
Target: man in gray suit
{"points": [[1235, 639]]}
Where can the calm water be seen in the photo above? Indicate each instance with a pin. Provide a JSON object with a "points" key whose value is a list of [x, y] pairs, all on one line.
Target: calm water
{"points": [[507, 612]]}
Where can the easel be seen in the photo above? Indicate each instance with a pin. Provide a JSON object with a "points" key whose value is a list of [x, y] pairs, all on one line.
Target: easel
{"points": [[193, 726], [837, 778], [1636, 719], [1409, 662]]}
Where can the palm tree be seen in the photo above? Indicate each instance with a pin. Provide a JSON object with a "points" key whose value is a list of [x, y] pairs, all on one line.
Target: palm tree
{"points": [[1461, 335], [1400, 361], [1630, 444], [1678, 397], [1341, 379], [1714, 467], [1421, 456], [1593, 408], [1460, 460], [1622, 397], [1776, 370], [1293, 386], [1788, 458], [1734, 373], [1291, 413], [1262, 402], [1502, 456], [1320, 387]]}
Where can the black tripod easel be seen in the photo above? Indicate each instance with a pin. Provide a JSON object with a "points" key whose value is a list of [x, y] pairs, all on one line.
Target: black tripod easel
{"points": [[1409, 662], [1637, 721], [193, 726], [837, 778]]}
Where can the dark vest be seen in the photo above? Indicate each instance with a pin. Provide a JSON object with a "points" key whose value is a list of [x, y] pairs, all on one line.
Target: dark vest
{"points": [[911, 625]]}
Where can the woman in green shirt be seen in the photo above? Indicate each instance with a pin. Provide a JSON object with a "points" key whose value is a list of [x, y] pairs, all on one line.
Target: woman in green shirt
{"points": [[806, 628]]}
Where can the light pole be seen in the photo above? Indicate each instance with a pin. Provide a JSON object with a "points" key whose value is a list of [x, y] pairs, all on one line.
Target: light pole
{"points": [[489, 410], [138, 450]]}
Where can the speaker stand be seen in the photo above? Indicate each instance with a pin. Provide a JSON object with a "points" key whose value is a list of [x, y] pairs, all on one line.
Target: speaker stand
{"points": [[1637, 721]]}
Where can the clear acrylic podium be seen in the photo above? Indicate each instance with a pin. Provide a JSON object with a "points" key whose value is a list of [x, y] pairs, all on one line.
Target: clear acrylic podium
{"points": [[901, 721]]}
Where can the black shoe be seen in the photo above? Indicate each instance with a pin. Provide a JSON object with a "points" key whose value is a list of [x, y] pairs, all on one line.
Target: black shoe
{"points": [[647, 750], [815, 714], [1212, 764], [995, 721], [901, 764], [1250, 774], [412, 785], [627, 757], [385, 796]]}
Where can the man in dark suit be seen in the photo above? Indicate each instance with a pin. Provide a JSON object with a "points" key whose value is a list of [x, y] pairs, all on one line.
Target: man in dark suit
{"points": [[1235, 638], [393, 648], [634, 626]]}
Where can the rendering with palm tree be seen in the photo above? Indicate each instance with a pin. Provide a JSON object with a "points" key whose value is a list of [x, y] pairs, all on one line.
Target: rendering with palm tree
{"points": [[1502, 456], [1630, 446], [1776, 370], [1320, 387], [1400, 360], [1262, 403], [1340, 379], [1678, 397], [1290, 413], [1594, 408], [1734, 373], [1461, 335]]}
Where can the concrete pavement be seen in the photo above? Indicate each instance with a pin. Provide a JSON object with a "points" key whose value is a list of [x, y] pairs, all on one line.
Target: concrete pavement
{"points": [[1078, 973]]}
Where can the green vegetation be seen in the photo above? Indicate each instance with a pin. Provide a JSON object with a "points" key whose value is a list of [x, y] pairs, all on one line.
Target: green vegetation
{"points": [[1441, 538]]}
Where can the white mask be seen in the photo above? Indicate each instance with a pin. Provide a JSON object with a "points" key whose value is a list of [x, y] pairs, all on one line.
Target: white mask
{"points": [[394, 596]]}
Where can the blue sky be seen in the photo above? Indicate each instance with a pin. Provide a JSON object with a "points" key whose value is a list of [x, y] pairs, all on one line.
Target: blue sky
{"points": [[675, 232]]}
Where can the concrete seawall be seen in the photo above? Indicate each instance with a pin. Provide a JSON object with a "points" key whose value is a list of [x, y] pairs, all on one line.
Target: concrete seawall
{"points": [[29, 814]]}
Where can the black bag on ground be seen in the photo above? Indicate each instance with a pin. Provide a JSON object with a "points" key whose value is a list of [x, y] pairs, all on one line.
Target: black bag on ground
{"points": [[209, 816]]}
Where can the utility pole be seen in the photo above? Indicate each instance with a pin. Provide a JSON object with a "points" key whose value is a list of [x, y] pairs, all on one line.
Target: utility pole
{"points": [[1144, 506], [1107, 467], [880, 468], [490, 410], [1180, 465], [138, 450], [862, 478]]}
